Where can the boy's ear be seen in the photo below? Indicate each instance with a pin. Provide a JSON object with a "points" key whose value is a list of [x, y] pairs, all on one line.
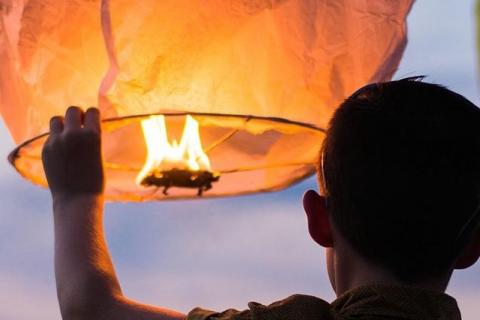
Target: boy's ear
{"points": [[317, 216], [470, 254]]}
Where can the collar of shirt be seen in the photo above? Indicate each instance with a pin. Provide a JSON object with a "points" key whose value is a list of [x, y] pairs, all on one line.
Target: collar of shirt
{"points": [[395, 302]]}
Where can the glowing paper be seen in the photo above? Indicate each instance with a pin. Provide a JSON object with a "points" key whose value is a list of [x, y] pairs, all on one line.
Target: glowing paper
{"points": [[290, 59]]}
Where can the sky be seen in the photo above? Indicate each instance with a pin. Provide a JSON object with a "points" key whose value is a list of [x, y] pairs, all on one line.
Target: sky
{"points": [[220, 253]]}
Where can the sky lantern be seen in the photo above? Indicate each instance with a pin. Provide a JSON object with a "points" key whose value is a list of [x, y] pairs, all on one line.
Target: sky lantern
{"points": [[199, 97]]}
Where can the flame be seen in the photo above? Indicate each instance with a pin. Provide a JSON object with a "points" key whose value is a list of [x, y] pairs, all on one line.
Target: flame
{"points": [[161, 155]]}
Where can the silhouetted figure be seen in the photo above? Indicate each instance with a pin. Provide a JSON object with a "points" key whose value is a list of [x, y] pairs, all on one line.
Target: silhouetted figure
{"points": [[400, 210]]}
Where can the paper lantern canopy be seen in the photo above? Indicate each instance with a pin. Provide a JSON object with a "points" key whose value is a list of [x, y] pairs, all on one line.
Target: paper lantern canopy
{"points": [[209, 98]]}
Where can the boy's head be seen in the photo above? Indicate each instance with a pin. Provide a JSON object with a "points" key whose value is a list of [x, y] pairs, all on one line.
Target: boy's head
{"points": [[400, 171]]}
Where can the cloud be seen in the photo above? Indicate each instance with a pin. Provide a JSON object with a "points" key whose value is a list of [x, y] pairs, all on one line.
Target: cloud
{"points": [[468, 302], [219, 259], [26, 300], [442, 50]]}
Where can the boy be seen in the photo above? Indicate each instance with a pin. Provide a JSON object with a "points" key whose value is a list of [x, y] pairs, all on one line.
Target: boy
{"points": [[400, 175]]}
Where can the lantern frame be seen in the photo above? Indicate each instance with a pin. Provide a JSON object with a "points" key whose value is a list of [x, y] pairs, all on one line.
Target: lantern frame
{"points": [[117, 122]]}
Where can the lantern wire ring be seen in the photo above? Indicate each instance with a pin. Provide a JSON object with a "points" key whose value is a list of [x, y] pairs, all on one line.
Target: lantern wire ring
{"points": [[14, 154]]}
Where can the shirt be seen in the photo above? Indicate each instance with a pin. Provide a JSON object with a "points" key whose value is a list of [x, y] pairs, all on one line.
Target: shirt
{"points": [[374, 302]]}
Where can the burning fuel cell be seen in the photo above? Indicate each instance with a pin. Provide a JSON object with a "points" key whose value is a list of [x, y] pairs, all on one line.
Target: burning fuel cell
{"points": [[183, 164]]}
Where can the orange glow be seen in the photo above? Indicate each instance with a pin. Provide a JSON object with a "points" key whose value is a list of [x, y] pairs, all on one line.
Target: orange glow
{"points": [[262, 78], [163, 155]]}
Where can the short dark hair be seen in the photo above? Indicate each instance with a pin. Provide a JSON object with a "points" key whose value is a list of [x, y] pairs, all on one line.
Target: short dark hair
{"points": [[401, 168]]}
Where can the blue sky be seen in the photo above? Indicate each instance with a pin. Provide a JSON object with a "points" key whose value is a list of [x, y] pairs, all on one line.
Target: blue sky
{"points": [[220, 253]]}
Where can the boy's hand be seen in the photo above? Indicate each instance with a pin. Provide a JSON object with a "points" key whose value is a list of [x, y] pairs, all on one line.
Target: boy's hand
{"points": [[72, 157]]}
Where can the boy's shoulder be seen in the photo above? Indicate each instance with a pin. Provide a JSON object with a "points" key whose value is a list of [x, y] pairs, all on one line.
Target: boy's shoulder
{"points": [[365, 302], [297, 306]]}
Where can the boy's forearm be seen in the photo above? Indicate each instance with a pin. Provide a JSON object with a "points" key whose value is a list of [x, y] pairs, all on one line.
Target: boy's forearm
{"points": [[87, 286], [84, 272]]}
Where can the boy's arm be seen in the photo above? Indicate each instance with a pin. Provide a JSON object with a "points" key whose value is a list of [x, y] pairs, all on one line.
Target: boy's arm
{"points": [[87, 286]]}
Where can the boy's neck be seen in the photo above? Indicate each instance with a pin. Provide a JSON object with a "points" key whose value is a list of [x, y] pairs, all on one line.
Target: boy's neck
{"points": [[353, 271]]}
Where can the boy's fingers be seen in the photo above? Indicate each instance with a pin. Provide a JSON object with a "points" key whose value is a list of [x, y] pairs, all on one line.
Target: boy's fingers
{"points": [[92, 119], [73, 118], [56, 125]]}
